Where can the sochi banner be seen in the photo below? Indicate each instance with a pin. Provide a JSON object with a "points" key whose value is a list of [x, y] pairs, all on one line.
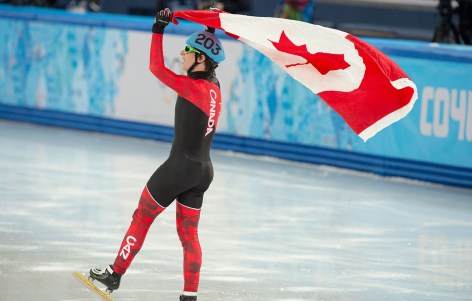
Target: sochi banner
{"points": [[366, 88]]}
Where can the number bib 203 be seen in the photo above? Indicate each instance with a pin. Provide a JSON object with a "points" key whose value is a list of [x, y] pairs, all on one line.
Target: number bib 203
{"points": [[208, 44]]}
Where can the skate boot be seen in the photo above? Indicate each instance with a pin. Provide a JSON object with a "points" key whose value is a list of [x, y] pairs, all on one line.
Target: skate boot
{"points": [[187, 298], [106, 276]]}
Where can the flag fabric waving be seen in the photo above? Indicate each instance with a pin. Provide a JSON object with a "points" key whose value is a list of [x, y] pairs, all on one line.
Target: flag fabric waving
{"points": [[359, 82]]}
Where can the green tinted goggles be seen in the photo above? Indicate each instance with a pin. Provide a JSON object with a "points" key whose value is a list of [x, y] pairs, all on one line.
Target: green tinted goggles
{"points": [[189, 49]]}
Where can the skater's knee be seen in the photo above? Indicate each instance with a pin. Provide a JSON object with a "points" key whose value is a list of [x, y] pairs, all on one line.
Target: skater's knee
{"points": [[187, 229], [187, 223], [143, 217], [187, 235]]}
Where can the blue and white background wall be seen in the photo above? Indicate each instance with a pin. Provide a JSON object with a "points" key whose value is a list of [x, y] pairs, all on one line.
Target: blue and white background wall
{"points": [[91, 72]]}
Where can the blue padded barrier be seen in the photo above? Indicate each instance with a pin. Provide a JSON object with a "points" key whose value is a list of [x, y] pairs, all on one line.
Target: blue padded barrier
{"points": [[382, 165]]}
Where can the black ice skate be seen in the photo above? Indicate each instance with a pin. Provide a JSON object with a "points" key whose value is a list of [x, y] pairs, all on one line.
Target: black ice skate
{"points": [[106, 276], [187, 298]]}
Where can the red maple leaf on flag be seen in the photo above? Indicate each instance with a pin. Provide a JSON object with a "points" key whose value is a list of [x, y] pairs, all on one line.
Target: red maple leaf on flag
{"points": [[321, 61]]}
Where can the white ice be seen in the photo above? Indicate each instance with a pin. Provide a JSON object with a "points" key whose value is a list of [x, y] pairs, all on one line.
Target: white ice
{"points": [[270, 230]]}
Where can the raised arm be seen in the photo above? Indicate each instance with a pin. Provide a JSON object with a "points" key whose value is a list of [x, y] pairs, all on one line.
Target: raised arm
{"points": [[181, 84]]}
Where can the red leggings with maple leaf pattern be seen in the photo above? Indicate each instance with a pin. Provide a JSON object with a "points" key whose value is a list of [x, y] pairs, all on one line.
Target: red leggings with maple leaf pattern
{"points": [[187, 228]]}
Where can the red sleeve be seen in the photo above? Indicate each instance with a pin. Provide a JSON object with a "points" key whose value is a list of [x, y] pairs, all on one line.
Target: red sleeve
{"points": [[205, 95], [183, 85]]}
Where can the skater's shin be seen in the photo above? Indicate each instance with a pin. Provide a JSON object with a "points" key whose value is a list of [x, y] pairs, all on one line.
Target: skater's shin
{"points": [[187, 229], [143, 217]]}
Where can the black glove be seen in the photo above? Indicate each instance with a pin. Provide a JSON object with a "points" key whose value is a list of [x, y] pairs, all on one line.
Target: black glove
{"points": [[210, 29], [162, 20]]}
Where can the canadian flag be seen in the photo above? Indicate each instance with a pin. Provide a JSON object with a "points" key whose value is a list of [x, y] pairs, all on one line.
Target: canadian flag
{"points": [[363, 85]]}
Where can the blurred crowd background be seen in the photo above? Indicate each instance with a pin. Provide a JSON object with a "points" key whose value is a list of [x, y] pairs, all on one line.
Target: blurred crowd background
{"points": [[443, 21]]}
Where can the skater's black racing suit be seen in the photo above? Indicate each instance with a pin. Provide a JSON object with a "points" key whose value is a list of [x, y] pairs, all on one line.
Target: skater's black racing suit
{"points": [[188, 171]]}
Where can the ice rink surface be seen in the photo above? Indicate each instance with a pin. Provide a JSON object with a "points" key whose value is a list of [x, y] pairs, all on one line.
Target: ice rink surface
{"points": [[270, 230]]}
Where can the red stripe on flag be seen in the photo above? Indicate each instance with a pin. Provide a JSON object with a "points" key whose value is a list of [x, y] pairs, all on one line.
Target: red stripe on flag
{"points": [[204, 17], [376, 97]]}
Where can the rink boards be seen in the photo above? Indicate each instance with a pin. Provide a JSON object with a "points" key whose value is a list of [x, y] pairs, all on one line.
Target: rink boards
{"points": [[91, 73]]}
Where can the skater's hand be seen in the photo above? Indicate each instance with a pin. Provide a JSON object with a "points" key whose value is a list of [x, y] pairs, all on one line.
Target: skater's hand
{"points": [[162, 19]]}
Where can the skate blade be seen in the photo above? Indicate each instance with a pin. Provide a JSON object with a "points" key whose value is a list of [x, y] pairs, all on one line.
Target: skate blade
{"points": [[85, 281]]}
